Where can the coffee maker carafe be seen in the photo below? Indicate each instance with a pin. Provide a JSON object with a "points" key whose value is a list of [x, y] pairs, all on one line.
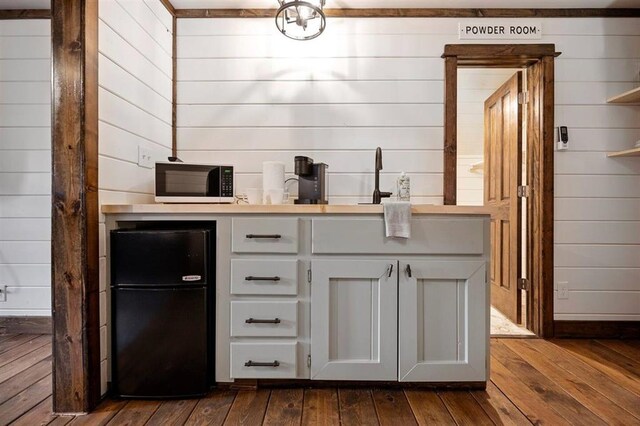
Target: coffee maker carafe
{"points": [[312, 181]]}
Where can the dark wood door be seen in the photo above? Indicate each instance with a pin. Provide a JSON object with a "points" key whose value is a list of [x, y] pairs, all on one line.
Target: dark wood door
{"points": [[503, 155]]}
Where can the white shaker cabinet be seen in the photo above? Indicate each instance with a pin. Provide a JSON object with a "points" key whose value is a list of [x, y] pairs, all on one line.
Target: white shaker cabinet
{"points": [[354, 311], [442, 321]]}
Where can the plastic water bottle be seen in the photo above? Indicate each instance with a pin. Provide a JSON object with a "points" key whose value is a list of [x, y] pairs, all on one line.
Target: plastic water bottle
{"points": [[404, 187]]}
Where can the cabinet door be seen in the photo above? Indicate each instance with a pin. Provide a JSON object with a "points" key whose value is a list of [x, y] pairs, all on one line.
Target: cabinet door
{"points": [[443, 321], [354, 320]]}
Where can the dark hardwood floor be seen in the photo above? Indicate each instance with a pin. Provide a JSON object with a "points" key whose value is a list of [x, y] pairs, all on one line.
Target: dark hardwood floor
{"points": [[581, 382]]}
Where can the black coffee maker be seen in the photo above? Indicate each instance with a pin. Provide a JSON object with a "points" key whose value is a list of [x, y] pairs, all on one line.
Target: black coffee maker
{"points": [[312, 181]]}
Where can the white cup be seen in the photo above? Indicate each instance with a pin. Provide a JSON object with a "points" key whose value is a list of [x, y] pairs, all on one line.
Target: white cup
{"points": [[254, 195], [277, 196]]}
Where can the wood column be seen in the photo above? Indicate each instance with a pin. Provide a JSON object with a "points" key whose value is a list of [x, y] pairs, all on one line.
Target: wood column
{"points": [[74, 212], [450, 129]]}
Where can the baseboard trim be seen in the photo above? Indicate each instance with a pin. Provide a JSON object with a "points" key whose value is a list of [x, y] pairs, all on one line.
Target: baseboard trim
{"points": [[597, 329], [25, 325]]}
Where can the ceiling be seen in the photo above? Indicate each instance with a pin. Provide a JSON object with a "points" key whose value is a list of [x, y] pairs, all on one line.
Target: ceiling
{"points": [[268, 4], [537, 4]]}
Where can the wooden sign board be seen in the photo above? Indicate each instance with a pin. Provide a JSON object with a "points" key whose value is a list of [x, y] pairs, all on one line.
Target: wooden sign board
{"points": [[502, 29]]}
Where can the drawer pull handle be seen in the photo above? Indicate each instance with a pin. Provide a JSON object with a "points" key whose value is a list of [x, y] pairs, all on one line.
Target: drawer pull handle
{"points": [[262, 364], [264, 236], [409, 270], [250, 278], [262, 321]]}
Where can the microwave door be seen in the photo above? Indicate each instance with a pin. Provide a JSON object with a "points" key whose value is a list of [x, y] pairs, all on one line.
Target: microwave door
{"points": [[213, 182]]}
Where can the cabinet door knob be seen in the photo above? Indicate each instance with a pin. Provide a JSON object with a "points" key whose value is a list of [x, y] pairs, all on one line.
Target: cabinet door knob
{"points": [[262, 321], [390, 270], [408, 270], [250, 363]]}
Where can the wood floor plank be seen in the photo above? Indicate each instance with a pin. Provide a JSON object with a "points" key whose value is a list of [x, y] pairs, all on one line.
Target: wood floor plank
{"points": [[15, 340], [60, 421], [595, 401], [428, 408], [321, 407], [604, 364], [248, 408], [392, 407], [588, 374], [285, 407], [9, 370], [527, 400], [39, 415], [464, 409], [101, 415], [213, 409], [24, 379], [356, 407], [498, 407], [21, 403], [135, 412], [22, 349], [623, 347], [5, 337], [174, 412], [549, 391], [629, 366]]}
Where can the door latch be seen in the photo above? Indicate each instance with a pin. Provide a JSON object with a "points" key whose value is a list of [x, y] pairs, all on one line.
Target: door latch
{"points": [[523, 284]]}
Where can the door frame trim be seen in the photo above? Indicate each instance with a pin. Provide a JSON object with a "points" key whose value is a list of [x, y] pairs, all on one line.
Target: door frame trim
{"points": [[513, 56]]}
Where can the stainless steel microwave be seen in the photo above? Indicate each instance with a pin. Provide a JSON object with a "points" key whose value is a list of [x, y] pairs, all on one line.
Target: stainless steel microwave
{"points": [[194, 183]]}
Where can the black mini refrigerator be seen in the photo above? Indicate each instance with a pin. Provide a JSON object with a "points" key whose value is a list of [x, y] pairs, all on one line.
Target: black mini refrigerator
{"points": [[162, 312]]}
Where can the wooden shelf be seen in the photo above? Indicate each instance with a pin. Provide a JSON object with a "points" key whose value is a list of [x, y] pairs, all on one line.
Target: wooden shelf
{"points": [[631, 96], [634, 152]]}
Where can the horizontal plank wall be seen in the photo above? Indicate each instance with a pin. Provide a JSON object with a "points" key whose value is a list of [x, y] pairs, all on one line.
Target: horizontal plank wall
{"points": [[135, 96], [246, 94], [25, 167], [474, 87]]}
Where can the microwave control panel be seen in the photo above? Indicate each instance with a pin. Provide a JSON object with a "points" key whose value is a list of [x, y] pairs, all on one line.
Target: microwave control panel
{"points": [[227, 181]]}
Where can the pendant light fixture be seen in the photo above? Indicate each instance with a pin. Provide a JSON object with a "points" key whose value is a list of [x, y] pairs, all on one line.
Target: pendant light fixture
{"points": [[301, 19]]}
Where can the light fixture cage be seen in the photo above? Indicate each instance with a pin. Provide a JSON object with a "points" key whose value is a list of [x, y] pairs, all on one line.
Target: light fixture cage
{"points": [[301, 19]]}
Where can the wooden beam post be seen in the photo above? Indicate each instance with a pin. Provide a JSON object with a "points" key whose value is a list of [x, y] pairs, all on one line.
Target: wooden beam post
{"points": [[450, 130], [74, 213]]}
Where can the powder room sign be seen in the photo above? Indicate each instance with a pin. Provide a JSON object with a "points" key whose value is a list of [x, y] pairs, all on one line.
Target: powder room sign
{"points": [[487, 29]]}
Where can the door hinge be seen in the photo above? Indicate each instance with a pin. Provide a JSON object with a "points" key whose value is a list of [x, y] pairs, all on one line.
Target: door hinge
{"points": [[523, 284], [309, 361], [524, 191], [309, 275], [523, 97]]}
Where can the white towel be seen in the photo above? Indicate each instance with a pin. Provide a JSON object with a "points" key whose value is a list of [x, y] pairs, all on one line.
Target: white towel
{"points": [[397, 219]]}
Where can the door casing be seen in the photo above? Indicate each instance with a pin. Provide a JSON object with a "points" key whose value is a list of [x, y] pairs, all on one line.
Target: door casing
{"points": [[540, 114]]}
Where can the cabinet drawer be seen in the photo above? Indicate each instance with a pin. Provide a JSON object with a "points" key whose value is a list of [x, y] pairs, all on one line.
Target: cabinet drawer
{"points": [[428, 236], [264, 277], [264, 319], [264, 235], [263, 360]]}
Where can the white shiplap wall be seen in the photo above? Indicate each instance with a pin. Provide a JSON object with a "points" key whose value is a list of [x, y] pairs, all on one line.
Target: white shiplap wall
{"points": [[474, 87], [25, 167], [135, 109], [247, 94]]}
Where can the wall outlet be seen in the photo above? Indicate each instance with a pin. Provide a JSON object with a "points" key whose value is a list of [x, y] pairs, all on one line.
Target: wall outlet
{"points": [[563, 290], [145, 158]]}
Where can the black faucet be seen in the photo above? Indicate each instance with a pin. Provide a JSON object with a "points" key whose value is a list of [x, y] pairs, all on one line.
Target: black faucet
{"points": [[377, 195]]}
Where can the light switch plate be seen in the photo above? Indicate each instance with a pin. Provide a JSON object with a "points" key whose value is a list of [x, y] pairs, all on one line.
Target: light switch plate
{"points": [[563, 289], [145, 158]]}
